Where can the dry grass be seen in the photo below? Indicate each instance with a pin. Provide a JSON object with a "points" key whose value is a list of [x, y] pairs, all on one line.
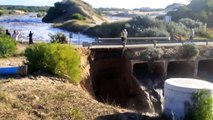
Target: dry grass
{"points": [[12, 61], [43, 98]]}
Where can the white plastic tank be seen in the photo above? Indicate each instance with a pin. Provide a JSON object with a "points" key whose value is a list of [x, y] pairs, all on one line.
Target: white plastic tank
{"points": [[178, 92]]}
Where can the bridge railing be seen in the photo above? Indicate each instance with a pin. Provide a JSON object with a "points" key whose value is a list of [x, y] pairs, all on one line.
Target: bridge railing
{"points": [[148, 43], [133, 39]]}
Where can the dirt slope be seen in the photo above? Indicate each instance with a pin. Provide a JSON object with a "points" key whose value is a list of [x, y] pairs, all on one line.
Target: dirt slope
{"points": [[46, 98]]}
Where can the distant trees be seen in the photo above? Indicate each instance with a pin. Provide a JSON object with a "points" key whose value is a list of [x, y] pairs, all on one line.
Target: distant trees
{"points": [[25, 8]]}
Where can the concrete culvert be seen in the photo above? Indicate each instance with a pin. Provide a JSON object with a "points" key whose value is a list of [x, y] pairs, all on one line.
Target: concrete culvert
{"points": [[113, 83], [109, 83], [205, 68], [177, 95], [181, 69]]}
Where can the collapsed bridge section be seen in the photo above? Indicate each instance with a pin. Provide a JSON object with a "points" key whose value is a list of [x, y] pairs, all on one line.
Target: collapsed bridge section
{"points": [[138, 84]]}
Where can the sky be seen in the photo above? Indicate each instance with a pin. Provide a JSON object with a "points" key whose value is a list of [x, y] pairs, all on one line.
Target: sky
{"points": [[101, 3]]}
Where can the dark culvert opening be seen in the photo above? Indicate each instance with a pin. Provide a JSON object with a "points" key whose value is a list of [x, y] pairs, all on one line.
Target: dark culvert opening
{"points": [[149, 73], [151, 79], [109, 83], [205, 68], [180, 69], [113, 84]]}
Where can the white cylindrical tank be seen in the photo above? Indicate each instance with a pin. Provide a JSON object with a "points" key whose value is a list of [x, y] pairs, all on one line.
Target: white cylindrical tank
{"points": [[177, 94]]}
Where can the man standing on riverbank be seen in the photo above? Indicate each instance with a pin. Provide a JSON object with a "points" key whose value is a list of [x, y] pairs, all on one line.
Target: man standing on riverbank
{"points": [[8, 33], [30, 37]]}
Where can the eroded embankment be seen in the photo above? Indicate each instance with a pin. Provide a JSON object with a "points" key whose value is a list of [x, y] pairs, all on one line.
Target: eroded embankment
{"points": [[113, 82]]}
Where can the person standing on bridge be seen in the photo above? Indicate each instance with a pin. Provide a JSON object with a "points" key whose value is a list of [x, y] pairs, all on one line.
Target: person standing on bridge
{"points": [[192, 34], [124, 37]]}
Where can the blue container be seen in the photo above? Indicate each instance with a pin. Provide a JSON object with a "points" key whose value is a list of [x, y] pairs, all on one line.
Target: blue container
{"points": [[9, 71]]}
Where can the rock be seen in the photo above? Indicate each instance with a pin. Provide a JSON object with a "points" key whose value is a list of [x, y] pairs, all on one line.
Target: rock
{"points": [[31, 77]]}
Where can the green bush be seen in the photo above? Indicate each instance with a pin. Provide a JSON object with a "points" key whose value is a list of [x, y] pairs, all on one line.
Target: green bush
{"points": [[151, 54], [190, 23], [39, 15], [58, 38], [189, 51], [78, 16], [153, 32], [202, 106], [57, 59], [178, 29], [7, 46]]}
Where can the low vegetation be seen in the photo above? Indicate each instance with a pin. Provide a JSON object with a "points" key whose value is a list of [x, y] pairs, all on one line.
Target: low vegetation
{"points": [[24, 8], [151, 54], [2, 31], [58, 38], [74, 25], [78, 16], [107, 29], [189, 51], [202, 106], [197, 9], [7, 46], [141, 26], [57, 59]]}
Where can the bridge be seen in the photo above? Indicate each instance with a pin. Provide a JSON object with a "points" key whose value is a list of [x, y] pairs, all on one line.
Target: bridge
{"points": [[141, 42], [124, 79]]}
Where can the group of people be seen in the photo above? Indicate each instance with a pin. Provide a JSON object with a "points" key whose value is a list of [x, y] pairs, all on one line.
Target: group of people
{"points": [[16, 34]]}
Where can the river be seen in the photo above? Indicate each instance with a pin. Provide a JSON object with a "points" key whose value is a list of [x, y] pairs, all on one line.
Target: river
{"points": [[29, 22]]}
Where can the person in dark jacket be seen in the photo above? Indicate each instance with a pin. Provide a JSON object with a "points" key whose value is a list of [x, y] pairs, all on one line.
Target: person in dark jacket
{"points": [[8, 33], [30, 37]]}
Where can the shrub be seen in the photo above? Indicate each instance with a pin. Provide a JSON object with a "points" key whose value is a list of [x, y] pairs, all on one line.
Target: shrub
{"points": [[177, 29], [153, 32], [189, 51], [58, 38], [39, 15], [7, 46], [190, 23], [57, 59], [202, 106], [78, 16], [151, 54]]}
